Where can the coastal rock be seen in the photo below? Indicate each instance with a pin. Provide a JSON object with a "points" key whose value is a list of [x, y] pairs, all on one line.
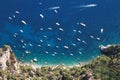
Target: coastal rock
{"points": [[7, 58], [110, 49], [97, 69]]}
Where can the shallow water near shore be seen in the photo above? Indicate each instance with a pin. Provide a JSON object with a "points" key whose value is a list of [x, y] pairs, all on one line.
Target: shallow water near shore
{"points": [[59, 32]]}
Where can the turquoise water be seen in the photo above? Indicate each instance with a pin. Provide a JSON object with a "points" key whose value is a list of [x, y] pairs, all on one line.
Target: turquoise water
{"points": [[59, 32]]}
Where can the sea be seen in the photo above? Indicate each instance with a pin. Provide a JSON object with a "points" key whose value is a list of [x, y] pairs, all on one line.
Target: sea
{"points": [[54, 32]]}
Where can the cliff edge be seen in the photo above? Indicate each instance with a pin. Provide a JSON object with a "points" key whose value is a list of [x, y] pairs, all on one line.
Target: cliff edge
{"points": [[7, 58], [104, 67]]}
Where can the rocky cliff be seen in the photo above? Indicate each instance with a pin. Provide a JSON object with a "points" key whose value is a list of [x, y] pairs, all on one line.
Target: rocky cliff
{"points": [[109, 50], [104, 67], [7, 58]]}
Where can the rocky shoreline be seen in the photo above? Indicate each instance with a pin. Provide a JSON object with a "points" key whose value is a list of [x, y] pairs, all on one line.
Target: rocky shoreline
{"points": [[104, 67]]}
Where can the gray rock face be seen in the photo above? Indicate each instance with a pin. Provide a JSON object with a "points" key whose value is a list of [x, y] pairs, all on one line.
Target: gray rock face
{"points": [[110, 49], [105, 48]]}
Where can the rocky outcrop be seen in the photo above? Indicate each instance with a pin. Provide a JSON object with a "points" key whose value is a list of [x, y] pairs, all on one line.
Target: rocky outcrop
{"points": [[104, 67], [110, 49], [7, 58], [88, 75]]}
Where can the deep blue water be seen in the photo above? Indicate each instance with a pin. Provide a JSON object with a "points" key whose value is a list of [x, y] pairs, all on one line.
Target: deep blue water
{"points": [[104, 14]]}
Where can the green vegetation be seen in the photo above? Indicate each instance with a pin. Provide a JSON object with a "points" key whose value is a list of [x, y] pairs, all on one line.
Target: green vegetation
{"points": [[105, 67]]}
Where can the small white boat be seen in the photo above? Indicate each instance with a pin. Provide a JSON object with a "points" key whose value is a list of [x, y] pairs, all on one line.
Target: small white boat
{"points": [[35, 60]]}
